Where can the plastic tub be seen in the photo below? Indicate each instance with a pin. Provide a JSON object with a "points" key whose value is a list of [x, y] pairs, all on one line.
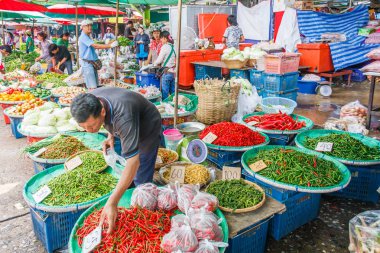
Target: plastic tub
{"points": [[147, 80], [172, 138], [268, 103]]}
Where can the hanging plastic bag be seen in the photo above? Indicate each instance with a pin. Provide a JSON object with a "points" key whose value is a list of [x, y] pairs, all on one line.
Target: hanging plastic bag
{"points": [[185, 195], [182, 239], [112, 158], [206, 200], [167, 199], [205, 224], [206, 246], [144, 196]]}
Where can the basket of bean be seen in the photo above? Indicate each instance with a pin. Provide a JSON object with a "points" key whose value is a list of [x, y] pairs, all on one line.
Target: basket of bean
{"points": [[165, 157], [237, 195], [194, 173], [92, 160]]}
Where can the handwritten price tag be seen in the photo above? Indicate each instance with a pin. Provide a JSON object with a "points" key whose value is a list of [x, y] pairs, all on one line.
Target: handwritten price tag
{"points": [[159, 160], [231, 173], [73, 163], [210, 138], [177, 174], [324, 146], [92, 240], [257, 166], [41, 194], [39, 152], [252, 123]]}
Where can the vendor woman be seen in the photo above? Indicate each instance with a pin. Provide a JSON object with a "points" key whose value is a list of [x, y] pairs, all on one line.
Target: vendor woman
{"points": [[142, 45], [132, 118], [233, 34]]}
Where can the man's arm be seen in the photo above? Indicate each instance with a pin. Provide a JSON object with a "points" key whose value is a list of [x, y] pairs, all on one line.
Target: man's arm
{"points": [[101, 46]]}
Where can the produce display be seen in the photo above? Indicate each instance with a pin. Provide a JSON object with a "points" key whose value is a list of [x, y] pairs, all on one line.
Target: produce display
{"points": [[233, 54], [233, 134], [15, 83], [18, 75], [168, 109], [63, 147], [53, 83], [21, 109], [278, 121], [20, 60], [16, 95], [40, 93], [92, 161], [68, 91], [194, 174], [148, 91], [297, 168], [235, 194], [136, 230], [346, 147], [67, 99], [51, 75], [253, 53], [123, 42], [167, 155]]}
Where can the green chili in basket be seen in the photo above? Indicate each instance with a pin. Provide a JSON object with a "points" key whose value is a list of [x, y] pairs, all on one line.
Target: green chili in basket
{"points": [[345, 147], [92, 161], [297, 168], [63, 148]]}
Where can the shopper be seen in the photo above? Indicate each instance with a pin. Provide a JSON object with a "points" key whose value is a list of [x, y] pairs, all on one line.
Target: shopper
{"points": [[61, 58], [64, 40], [137, 123], [29, 42], [233, 34], [44, 45], [109, 35], [9, 39], [166, 60], [89, 59], [4, 52], [142, 45], [155, 45], [128, 30]]}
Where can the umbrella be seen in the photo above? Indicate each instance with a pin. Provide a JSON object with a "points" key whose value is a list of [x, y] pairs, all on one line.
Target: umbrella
{"points": [[67, 9], [63, 21], [14, 5]]}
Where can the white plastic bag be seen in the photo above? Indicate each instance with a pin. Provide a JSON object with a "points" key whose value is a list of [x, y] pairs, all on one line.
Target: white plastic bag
{"points": [[206, 246], [167, 198], [182, 239], [354, 109], [185, 195], [112, 158], [205, 224], [145, 196], [205, 200], [247, 101]]}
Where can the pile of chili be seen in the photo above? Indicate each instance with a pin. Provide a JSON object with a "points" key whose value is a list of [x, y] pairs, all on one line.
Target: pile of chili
{"points": [[137, 230], [277, 121], [233, 134]]}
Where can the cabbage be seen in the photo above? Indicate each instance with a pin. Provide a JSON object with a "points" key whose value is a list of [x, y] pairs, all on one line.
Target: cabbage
{"points": [[60, 114], [45, 130], [31, 118], [68, 112], [66, 128], [74, 123], [47, 106], [47, 120], [61, 123]]}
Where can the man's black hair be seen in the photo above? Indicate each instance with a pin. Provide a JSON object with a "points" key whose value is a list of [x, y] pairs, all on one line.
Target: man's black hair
{"points": [[52, 47], [85, 105], [130, 22], [232, 20], [7, 48]]}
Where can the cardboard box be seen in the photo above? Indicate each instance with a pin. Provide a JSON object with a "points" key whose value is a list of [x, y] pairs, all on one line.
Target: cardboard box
{"points": [[303, 5]]}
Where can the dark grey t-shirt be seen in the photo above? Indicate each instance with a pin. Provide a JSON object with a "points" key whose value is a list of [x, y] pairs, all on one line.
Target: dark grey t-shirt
{"points": [[132, 118]]}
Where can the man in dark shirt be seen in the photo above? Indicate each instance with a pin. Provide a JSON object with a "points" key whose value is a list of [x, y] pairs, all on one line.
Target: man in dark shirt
{"points": [[61, 58], [128, 30], [137, 123]]}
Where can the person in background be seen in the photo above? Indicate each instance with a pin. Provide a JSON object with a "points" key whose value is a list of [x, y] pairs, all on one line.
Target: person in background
{"points": [[128, 30], [44, 45], [166, 60], [64, 40], [233, 34], [4, 52], [88, 56], [109, 35], [155, 45], [142, 45], [9, 39], [17, 40], [61, 58], [29, 42]]}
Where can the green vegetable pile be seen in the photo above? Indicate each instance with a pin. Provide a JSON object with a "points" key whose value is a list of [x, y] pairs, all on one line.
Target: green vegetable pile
{"points": [[92, 161], [296, 168], [40, 93], [15, 60], [63, 147], [51, 75], [56, 81], [345, 147], [123, 42], [235, 194]]}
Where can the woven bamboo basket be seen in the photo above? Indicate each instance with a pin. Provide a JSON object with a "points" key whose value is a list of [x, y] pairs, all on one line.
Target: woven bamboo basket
{"points": [[252, 62], [235, 64], [158, 166], [217, 100]]}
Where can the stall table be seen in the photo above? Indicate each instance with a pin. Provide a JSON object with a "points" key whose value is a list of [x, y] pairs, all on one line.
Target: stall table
{"points": [[371, 110], [331, 75]]}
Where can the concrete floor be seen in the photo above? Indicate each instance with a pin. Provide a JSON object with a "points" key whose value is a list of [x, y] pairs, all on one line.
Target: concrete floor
{"points": [[329, 233]]}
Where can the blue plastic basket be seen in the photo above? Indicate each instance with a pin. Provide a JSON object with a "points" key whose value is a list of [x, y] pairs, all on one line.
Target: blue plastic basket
{"points": [[239, 73], [277, 83], [356, 76], [250, 240], [280, 139], [38, 167], [365, 181], [53, 229], [256, 78], [223, 158], [143, 79], [290, 94], [203, 72], [14, 123], [300, 209]]}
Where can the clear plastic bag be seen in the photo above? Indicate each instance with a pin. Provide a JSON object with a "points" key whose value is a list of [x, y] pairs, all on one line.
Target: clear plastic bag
{"points": [[206, 246], [35, 68], [354, 109], [365, 232], [167, 199], [185, 195], [247, 101], [182, 239], [112, 158], [205, 224], [145, 196], [206, 200], [179, 220]]}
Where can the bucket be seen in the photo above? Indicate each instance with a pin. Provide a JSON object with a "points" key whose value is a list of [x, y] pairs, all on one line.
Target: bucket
{"points": [[172, 138]]}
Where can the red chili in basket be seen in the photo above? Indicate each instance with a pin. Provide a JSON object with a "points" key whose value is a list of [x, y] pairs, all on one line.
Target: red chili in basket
{"points": [[278, 121], [137, 230], [233, 134]]}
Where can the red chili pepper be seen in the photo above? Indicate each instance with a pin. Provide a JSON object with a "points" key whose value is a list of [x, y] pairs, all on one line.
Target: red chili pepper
{"points": [[278, 121]]}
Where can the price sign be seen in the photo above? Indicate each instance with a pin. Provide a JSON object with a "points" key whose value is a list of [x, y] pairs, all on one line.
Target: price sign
{"points": [[231, 173], [210, 138], [324, 146], [92, 240], [73, 163], [252, 123], [177, 174], [39, 152], [257, 166], [41, 194], [49, 85], [159, 160]]}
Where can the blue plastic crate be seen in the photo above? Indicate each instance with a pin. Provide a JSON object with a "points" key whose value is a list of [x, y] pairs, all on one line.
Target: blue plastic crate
{"points": [[281, 139], [365, 181], [300, 209], [290, 94], [276, 193], [250, 240], [223, 158], [203, 72], [356, 76], [256, 77], [38, 167], [277, 83], [53, 229], [239, 73], [143, 79], [14, 123]]}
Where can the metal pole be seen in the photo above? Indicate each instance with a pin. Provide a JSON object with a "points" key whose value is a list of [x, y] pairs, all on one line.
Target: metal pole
{"points": [[2, 23], [77, 33], [116, 34], [178, 48]]}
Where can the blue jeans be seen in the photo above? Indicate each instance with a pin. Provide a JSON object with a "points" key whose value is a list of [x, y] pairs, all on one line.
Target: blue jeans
{"points": [[146, 170], [168, 85], [69, 65], [90, 76]]}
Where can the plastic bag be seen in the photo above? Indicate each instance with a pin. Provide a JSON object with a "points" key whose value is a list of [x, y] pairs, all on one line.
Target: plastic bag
{"points": [[76, 78], [145, 196], [185, 195], [205, 224], [247, 101], [35, 68], [167, 198], [112, 157], [365, 232], [179, 220], [372, 67], [206, 200], [182, 239], [354, 109], [374, 54], [348, 123], [206, 246]]}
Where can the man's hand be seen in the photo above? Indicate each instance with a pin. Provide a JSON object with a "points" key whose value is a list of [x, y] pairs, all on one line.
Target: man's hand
{"points": [[109, 212], [108, 143], [114, 44], [38, 59]]}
